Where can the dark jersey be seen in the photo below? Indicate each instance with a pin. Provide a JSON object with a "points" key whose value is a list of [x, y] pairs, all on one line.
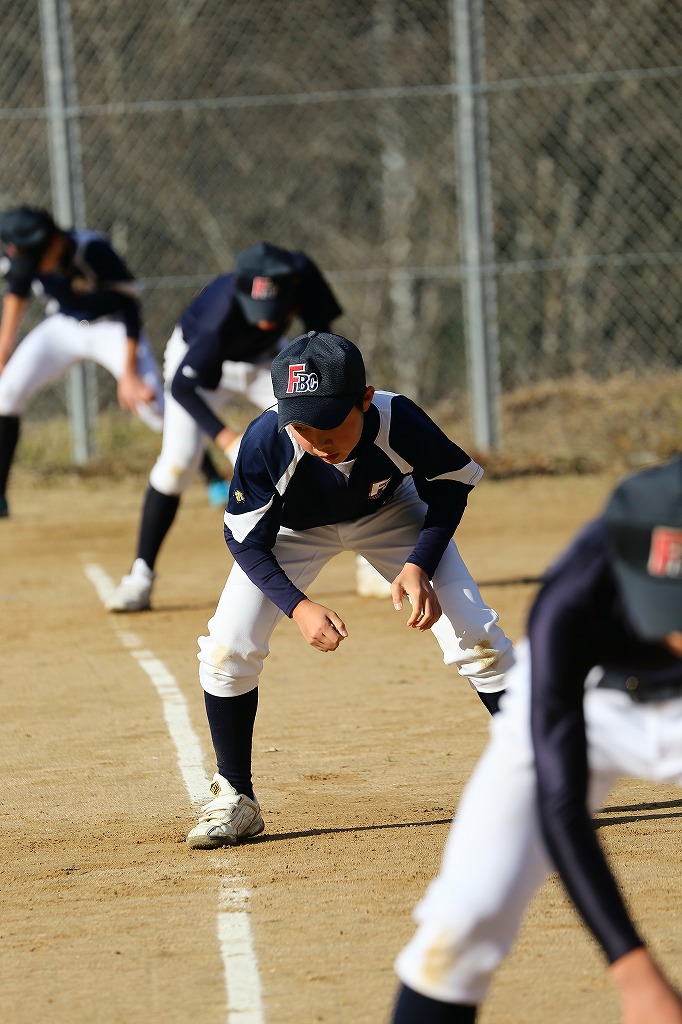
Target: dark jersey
{"points": [[216, 330], [92, 282], [276, 483], [577, 622]]}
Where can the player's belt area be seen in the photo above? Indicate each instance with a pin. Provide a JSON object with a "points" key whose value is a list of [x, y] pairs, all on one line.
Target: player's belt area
{"points": [[638, 689]]}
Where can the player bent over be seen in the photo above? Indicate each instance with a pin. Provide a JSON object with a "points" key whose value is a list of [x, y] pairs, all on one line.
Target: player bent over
{"points": [[222, 347], [596, 695], [94, 315], [337, 467]]}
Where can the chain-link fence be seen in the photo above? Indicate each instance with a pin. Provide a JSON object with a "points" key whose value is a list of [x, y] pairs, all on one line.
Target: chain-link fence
{"points": [[199, 127]]}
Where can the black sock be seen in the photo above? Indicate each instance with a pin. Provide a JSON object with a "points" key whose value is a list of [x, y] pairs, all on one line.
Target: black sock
{"points": [[158, 513], [231, 721], [491, 700], [413, 1008], [9, 437], [209, 470]]}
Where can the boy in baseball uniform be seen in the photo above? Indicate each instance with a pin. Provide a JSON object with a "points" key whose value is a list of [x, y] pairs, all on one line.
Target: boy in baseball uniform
{"points": [[94, 314], [336, 466], [595, 695], [222, 347]]}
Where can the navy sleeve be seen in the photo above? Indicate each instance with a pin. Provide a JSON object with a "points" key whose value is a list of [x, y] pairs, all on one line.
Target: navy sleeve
{"points": [[566, 634], [202, 325], [184, 390], [264, 570], [443, 475], [253, 514], [106, 263]]}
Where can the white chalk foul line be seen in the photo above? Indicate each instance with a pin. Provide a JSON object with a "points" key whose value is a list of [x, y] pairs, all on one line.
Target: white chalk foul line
{"points": [[242, 981]]}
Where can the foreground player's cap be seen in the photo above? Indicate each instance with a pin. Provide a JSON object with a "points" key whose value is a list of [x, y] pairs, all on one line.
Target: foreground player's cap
{"points": [[265, 282], [317, 380], [27, 230], [643, 520]]}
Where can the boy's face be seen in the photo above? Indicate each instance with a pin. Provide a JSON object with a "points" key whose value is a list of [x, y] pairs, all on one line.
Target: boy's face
{"points": [[334, 446]]}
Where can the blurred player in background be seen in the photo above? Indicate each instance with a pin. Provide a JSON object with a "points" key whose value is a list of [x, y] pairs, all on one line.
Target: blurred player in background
{"points": [[222, 347], [596, 695], [336, 467], [94, 314]]}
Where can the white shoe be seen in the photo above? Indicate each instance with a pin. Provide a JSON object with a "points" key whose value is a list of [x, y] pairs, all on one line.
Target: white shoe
{"points": [[134, 592], [229, 819], [369, 582]]}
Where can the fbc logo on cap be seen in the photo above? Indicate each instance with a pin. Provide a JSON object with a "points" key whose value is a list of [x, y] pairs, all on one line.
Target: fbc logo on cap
{"points": [[263, 288], [665, 556], [301, 382]]}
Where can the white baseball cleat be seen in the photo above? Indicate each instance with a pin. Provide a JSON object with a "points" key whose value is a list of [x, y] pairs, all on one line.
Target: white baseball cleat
{"points": [[368, 581], [134, 592], [230, 819]]}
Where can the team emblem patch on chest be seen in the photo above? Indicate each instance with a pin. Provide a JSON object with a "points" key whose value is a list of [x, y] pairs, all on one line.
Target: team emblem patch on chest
{"points": [[378, 487]]}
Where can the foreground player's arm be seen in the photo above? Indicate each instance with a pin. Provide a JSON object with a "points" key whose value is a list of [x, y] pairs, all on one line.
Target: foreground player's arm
{"points": [[567, 625]]}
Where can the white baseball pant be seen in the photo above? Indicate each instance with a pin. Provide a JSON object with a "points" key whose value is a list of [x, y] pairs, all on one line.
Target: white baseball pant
{"points": [[183, 439], [60, 342], [231, 656], [495, 858]]}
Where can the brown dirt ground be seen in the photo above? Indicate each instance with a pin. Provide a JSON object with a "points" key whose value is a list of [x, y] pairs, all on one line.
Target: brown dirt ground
{"points": [[359, 761]]}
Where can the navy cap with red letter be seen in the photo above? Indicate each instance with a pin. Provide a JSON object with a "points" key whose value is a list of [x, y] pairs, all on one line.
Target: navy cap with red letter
{"points": [[317, 380]]}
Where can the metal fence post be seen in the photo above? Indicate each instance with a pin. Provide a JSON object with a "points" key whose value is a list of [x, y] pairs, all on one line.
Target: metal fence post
{"points": [[475, 222], [67, 191]]}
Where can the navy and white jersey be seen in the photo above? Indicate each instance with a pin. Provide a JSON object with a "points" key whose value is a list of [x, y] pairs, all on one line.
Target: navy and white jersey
{"points": [[92, 282], [215, 329], [578, 621], [276, 483]]}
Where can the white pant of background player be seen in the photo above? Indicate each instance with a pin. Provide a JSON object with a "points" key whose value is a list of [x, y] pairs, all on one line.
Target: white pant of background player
{"points": [[60, 342], [184, 441], [232, 655], [495, 858]]}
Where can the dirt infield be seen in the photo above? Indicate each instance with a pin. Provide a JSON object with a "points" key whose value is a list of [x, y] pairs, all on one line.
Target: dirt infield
{"points": [[359, 761]]}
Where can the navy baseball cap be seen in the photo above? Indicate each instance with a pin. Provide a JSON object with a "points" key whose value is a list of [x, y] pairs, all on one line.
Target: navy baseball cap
{"points": [[27, 230], [643, 520], [317, 380], [266, 288]]}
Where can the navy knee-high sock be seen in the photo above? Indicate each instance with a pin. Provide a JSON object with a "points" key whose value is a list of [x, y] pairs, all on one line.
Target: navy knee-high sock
{"points": [[231, 721], [158, 513], [413, 1008], [9, 437], [491, 700]]}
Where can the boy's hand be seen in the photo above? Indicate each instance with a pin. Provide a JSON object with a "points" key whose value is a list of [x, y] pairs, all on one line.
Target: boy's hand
{"points": [[412, 582], [647, 996], [132, 391], [321, 627]]}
